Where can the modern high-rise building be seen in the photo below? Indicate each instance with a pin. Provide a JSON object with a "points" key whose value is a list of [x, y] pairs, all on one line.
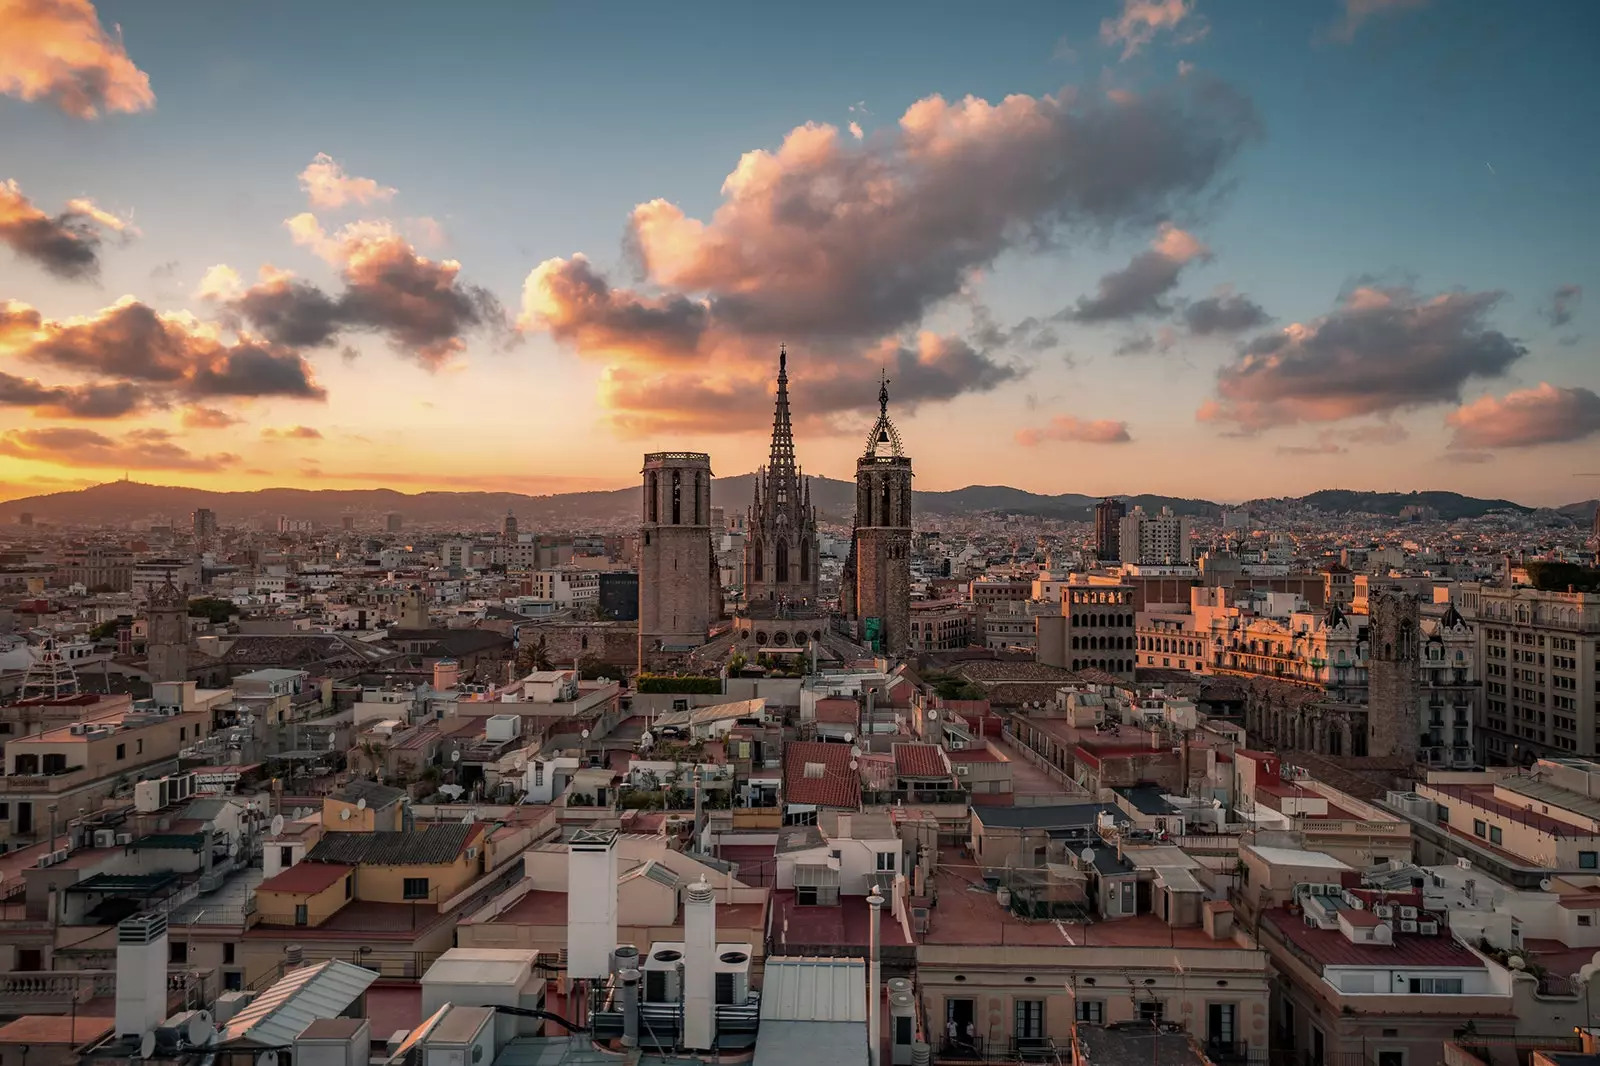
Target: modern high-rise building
{"points": [[1108, 515], [205, 523], [508, 532], [876, 588], [679, 591], [780, 552], [392, 522], [1154, 540]]}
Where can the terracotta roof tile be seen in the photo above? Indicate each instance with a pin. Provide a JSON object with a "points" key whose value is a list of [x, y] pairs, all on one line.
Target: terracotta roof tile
{"points": [[920, 760], [820, 774]]}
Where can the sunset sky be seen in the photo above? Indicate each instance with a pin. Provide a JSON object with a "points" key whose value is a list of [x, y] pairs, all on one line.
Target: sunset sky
{"points": [[1192, 247]]}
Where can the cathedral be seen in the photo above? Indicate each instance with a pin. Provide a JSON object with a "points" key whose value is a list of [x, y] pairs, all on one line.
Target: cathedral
{"points": [[781, 555]]}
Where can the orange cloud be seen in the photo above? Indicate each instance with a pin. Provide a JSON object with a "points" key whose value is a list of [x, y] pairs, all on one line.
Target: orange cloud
{"points": [[1526, 417], [1070, 428], [327, 185], [842, 246], [57, 50], [292, 433], [67, 245], [1140, 21], [138, 449], [208, 418]]}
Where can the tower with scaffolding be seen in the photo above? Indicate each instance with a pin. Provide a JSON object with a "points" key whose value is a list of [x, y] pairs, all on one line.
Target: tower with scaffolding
{"points": [[49, 676]]}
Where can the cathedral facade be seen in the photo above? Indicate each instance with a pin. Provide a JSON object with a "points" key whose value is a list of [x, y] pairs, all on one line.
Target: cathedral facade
{"points": [[780, 548]]}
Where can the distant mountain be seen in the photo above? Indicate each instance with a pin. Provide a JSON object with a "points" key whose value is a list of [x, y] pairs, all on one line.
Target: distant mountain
{"points": [[1449, 505], [120, 502]]}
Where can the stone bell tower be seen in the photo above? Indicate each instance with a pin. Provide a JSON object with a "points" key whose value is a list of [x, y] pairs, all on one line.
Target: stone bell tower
{"points": [[877, 579], [680, 591]]}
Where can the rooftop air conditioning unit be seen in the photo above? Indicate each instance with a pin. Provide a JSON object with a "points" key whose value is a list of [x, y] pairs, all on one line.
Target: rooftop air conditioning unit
{"points": [[732, 970], [105, 838], [1408, 927], [124, 838], [1383, 910], [661, 977], [61, 855], [1428, 928], [1408, 912]]}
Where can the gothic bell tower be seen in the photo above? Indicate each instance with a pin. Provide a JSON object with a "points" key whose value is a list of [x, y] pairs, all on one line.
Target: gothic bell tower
{"points": [[167, 640], [877, 595]]}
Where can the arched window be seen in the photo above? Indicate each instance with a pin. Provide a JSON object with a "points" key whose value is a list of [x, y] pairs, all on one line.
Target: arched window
{"points": [[761, 562], [652, 498], [780, 561], [805, 562], [677, 497]]}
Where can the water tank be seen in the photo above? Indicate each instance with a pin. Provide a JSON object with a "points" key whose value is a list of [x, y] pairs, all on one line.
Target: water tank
{"points": [[446, 674], [899, 984], [625, 957], [921, 1055]]}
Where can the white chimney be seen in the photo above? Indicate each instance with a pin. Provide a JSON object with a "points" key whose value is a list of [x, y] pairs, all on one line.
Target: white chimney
{"points": [[141, 974], [591, 903], [699, 966]]}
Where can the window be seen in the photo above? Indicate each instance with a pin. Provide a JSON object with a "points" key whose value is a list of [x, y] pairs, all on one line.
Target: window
{"points": [[1391, 1058], [415, 888], [233, 981], [1152, 1010], [177, 951], [886, 862], [1436, 986], [1589, 860], [30, 959], [538, 775], [1584, 919], [227, 952], [1220, 1025], [285, 857], [805, 896], [1029, 1019], [5, 812], [301, 915], [1480, 827], [122, 751], [1494, 834], [349, 886], [138, 747], [1092, 1011]]}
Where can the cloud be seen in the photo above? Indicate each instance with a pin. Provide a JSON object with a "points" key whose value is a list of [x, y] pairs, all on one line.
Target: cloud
{"points": [[1137, 288], [94, 401], [1337, 441], [856, 131], [292, 433], [842, 247], [174, 355], [419, 304], [327, 185], [1468, 458], [57, 50], [1381, 350], [1141, 20], [1070, 428], [67, 245], [1527, 417], [1358, 12], [1563, 302], [208, 418], [1145, 343], [138, 449], [1224, 313]]}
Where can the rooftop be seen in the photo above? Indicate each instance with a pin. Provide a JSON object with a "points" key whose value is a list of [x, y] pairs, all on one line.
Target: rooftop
{"points": [[377, 796], [1135, 1044], [306, 877], [820, 774], [434, 844], [1329, 947]]}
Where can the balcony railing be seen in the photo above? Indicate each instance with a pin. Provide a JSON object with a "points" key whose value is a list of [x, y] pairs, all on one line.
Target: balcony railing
{"points": [[52, 991]]}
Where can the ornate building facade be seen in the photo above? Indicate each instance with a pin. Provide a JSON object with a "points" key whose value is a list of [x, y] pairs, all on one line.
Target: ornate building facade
{"points": [[780, 553], [875, 593], [167, 640]]}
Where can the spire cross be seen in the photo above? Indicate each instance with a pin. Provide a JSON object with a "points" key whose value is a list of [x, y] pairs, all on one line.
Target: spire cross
{"points": [[883, 392]]}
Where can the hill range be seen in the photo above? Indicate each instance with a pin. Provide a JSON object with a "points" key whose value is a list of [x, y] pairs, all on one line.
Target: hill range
{"points": [[121, 502]]}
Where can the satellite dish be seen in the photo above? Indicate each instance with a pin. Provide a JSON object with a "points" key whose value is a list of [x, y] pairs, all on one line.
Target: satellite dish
{"points": [[855, 751], [645, 739], [1546, 884], [277, 824], [933, 716], [267, 1058], [849, 736], [361, 804], [584, 734], [147, 1045], [1087, 855], [1517, 962], [455, 756], [854, 764], [344, 814]]}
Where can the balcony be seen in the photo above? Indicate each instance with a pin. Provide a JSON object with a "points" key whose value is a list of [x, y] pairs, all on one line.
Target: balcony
{"points": [[62, 991]]}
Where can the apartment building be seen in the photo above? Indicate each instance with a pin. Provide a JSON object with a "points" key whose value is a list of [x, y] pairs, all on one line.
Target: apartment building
{"points": [[1094, 630], [567, 588], [97, 568], [1540, 656], [50, 775], [1155, 539], [940, 625]]}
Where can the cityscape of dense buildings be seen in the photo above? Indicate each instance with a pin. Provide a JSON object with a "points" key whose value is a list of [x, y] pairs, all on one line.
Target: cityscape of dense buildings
{"points": [[1274, 785]]}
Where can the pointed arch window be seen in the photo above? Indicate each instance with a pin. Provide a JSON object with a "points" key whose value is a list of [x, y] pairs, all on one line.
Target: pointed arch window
{"points": [[883, 512], [805, 562], [677, 497], [761, 563], [780, 561]]}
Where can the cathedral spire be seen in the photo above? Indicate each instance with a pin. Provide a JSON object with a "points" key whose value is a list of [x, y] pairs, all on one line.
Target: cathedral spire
{"points": [[782, 458], [884, 435]]}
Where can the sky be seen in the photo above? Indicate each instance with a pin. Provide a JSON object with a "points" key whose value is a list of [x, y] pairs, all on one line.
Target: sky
{"points": [[1192, 247]]}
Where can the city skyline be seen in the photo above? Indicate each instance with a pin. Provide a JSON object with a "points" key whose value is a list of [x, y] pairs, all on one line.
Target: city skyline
{"points": [[237, 258]]}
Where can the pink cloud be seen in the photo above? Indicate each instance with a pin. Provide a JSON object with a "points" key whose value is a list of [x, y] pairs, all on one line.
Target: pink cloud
{"points": [[1527, 417], [57, 50], [1069, 428], [327, 185]]}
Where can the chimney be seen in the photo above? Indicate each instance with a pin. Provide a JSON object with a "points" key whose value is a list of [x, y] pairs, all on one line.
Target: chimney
{"points": [[141, 974], [699, 966], [630, 1006], [591, 902]]}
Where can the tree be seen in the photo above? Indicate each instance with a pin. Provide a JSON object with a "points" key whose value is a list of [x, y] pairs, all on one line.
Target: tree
{"points": [[212, 609], [108, 628]]}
